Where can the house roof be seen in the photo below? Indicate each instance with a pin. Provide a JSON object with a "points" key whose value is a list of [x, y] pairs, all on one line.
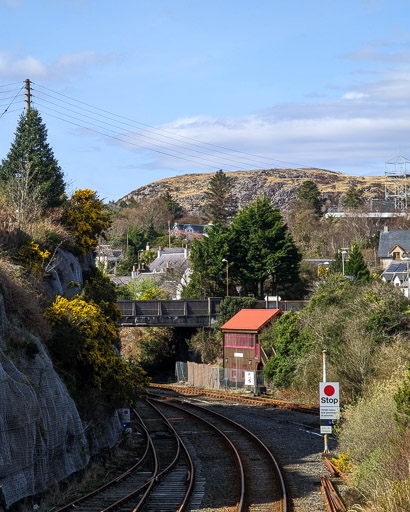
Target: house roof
{"points": [[251, 319], [161, 263], [388, 239]]}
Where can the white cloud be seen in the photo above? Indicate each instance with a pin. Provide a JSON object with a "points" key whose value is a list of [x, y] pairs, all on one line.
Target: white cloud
{"points": [[12, 4], [353, 95], [60, 70]]}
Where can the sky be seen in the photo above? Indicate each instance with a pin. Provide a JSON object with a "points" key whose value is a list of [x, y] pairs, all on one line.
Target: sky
{"points": [[136, 91]]}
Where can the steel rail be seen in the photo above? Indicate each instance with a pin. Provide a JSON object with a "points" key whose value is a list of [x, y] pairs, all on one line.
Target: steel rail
{"points": [[278, 472], [149, 445], [240, 502], [263, 401], [191, 476], [150, 483]]}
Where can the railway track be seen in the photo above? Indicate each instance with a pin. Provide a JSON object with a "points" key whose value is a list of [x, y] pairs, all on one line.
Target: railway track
{"points": [[257, 479], [161, 480], [235, 397]]}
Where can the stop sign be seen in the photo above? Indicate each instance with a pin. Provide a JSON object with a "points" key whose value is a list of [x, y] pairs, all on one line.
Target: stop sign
{"points": [[329, 400]]}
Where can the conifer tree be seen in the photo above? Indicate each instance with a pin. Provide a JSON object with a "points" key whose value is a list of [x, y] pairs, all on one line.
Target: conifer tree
{"points": [[310, 193], [31, 149], [356, 266], [218, 198]]}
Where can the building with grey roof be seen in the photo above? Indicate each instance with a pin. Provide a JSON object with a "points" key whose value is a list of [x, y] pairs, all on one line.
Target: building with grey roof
{"points": [[394, 246]]}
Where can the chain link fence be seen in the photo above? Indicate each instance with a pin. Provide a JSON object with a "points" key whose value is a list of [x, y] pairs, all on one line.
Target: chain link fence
{"points": [[214, 377]]}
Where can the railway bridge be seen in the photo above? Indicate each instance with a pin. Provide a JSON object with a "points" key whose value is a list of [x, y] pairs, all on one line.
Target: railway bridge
{"points": [[188, 313]]}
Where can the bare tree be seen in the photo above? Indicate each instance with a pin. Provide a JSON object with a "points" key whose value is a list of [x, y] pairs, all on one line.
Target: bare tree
{"points": [[22, 197]]}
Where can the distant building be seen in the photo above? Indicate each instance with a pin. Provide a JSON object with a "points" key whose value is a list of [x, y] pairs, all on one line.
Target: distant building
{"points": [[108, 258], [394, 246], [241, 346], [190, 231], [394, 254]]}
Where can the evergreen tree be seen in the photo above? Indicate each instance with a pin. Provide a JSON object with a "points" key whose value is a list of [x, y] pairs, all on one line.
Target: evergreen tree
{"points": [[309, 192], [336, 265], [218, 198], [173, 206], [356, 266], [31, 150], [261, 245], [208, 278], [353, 198]]}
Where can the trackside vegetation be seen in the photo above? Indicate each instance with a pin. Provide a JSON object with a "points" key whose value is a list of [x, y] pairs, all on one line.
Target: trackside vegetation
{"points": [[363, 325]]}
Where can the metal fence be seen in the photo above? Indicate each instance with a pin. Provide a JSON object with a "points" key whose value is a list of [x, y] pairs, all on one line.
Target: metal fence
{"points": [[214, 377]]}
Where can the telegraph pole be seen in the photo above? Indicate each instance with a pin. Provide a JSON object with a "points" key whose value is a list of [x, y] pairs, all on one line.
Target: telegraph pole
{"points": [[28, 95]]}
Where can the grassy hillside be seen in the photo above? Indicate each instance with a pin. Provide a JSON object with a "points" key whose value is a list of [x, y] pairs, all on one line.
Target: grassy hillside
{"points": [[279, 185]]}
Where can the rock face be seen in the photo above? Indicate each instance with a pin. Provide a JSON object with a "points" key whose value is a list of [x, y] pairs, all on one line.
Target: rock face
{"points": [[280, 185], [42, 438]]}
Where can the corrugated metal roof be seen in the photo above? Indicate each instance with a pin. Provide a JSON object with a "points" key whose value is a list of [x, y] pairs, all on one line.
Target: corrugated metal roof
{"points": [[389, 239], [251, 319]]}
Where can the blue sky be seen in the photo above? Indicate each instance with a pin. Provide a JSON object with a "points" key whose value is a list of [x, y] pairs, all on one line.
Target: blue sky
{"points": [[136, 91]]}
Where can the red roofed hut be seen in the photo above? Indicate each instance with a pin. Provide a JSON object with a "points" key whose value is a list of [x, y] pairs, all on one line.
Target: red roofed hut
{"points": [[242, 352]]}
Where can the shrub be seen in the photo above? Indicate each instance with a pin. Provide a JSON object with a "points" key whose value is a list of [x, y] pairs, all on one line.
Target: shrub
{"points": [[379, 452], [86, 218], [83, 348], [32, 258], [207, 344]]}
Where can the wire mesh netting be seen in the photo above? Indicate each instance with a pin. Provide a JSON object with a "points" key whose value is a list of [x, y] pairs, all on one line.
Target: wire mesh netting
{"points": [[42, 438]]}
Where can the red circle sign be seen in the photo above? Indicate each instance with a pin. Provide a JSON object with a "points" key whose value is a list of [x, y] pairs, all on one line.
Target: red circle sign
{"points": [[329, 390]]}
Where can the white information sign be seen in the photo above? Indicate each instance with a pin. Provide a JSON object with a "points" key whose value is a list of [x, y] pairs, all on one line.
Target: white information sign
{"points": [[250, 378], [238, 354], [325, 429], [329, 400]]}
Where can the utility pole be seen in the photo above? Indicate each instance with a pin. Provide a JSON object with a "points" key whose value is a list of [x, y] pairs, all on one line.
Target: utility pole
{"points": [[28, 95]]}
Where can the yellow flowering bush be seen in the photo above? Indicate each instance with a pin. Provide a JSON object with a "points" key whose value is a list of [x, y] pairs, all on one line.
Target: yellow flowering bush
{"points": [[83, 347], [86, 219], [32, 257], [343, 462]]}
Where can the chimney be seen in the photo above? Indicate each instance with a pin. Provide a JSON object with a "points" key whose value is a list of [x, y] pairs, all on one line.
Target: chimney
{"points": [[160, 252], [147, 247], [386, 228], [186, 252]]}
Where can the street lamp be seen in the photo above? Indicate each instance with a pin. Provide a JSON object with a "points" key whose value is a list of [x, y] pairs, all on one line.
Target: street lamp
{"points": [[227, 276], [343, 262]]}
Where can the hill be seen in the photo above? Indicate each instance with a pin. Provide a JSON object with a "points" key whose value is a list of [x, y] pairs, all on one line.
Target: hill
{"points": [[279, 185]]}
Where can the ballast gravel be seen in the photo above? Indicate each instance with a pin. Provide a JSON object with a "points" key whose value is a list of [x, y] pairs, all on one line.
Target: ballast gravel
{"points": [[294, 439]]}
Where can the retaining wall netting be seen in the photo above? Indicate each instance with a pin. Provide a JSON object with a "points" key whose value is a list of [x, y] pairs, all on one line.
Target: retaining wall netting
{"points": [[42, 439]]}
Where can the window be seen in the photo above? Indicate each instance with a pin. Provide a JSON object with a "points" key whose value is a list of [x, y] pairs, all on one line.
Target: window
{"points": [[396, 255], [233, 371], [257, 351], [240, 339], [244, 369]]}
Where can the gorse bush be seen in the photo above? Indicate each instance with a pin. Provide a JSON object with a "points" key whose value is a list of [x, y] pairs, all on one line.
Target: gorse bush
{"points": [[83, 348], [84, 215], [32, 258]]}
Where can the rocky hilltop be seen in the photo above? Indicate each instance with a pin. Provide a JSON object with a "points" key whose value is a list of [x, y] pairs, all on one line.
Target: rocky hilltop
{"points": [[279, 185]]}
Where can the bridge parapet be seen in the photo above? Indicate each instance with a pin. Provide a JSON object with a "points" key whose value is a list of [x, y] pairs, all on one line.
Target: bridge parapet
{"points": [[185, 312]]}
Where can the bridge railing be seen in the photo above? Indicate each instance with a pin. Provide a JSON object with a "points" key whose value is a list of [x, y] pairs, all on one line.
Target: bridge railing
{"points": [[188, 312], [152, 312]]}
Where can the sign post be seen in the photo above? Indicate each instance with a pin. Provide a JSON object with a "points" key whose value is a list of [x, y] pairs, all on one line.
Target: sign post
{"points": [[329, 404]]}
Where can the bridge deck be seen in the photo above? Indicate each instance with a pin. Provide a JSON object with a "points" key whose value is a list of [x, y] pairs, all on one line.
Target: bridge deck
{"points": [[182, 313]]}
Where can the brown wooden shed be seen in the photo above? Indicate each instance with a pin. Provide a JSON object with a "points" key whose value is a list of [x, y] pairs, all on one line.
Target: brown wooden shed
{"points": [[242, 351]]}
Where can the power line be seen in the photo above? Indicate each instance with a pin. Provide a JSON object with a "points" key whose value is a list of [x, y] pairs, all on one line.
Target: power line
{"points": [[2, 114], [233, 162], [187, 146], [267, 160], [9, 85], [121, 140]]}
